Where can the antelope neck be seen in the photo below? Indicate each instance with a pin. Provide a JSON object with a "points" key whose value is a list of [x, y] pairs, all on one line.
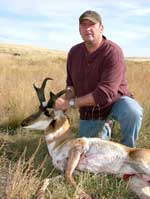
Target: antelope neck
{"points": [[53, 136]]}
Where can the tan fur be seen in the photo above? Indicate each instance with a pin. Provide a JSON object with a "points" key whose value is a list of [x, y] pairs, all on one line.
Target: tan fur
{"points": [[140, 154]]}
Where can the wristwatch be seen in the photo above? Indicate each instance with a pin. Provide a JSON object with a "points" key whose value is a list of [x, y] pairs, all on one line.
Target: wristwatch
{"points": [[72, 103]]}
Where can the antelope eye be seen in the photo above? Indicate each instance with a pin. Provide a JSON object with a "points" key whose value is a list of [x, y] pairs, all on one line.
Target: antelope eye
{"points": [[47, 113]]}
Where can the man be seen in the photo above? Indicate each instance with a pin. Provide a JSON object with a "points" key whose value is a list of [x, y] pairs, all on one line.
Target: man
{"points": [[96, 84]]}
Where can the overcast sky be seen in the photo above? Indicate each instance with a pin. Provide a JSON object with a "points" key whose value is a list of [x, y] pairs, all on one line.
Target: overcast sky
{"points": [[53, 24]]}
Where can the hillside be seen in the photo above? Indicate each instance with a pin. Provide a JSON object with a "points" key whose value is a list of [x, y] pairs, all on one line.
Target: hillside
{"points": [[14, 49]]}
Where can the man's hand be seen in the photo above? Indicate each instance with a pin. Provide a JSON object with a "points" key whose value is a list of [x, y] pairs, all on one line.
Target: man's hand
{"points": [[62, 104], [86, 100]]}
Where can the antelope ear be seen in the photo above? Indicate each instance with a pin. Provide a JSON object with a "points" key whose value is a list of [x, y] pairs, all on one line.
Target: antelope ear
{"points": [[53, 122]]}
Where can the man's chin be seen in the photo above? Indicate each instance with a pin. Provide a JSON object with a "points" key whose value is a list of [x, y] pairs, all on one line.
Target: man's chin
{"points": [[89, 41], [89, 38]]}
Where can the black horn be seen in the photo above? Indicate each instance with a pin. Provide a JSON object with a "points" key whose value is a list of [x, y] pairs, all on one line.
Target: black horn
{"points": [[60, 93], [53, 98], [40, 91]]}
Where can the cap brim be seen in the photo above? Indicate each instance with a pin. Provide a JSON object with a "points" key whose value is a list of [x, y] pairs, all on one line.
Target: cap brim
{"points": [[90, 19]]}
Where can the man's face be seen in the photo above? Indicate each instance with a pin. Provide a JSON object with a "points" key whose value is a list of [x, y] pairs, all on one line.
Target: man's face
{"points": [[89, 31]]}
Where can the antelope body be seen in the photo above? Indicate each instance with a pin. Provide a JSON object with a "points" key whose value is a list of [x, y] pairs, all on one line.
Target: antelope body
{"points": [[92, 154]]}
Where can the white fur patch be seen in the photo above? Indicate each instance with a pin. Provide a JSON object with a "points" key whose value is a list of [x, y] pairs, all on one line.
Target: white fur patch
{"points": [[58, 114], [52, 135], [44, 104], [40, 125]]}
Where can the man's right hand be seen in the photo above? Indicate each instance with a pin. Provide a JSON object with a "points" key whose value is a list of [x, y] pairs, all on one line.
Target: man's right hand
{"points": [[62, 104]]}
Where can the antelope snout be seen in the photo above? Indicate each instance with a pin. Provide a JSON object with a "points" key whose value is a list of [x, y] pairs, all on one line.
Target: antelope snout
{"points": [[23, 123]]}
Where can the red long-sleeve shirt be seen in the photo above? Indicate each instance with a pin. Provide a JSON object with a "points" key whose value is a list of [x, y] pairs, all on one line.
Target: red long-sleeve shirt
{"points": [[101, 73]]}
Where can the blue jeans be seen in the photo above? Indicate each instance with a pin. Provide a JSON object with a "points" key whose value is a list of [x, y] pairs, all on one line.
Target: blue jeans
{"points": [[127, 112]]}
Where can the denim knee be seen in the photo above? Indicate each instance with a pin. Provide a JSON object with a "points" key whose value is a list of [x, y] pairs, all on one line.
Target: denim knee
{"points": [[95, 128], [127, 108], [129, 114]]}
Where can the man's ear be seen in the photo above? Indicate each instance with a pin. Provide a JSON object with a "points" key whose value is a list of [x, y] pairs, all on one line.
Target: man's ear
{"points": [[101, 28]]}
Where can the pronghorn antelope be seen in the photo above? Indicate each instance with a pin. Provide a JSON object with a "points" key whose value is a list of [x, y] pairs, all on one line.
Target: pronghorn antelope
{"points": [[92, 154]]}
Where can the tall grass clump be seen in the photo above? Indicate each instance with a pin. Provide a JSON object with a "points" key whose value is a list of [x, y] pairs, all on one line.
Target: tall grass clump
{"points": [[23, 179]]}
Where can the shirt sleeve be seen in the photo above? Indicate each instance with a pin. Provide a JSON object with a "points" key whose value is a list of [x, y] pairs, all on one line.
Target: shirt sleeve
{"points": [[69, 81], [113, 72]]}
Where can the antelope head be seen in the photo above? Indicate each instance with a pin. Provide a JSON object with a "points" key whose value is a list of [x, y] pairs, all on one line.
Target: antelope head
{"points": [[41, 119]]}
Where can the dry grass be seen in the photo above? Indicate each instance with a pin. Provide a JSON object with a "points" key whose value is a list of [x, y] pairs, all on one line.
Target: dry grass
{"points": [[22, 180], [138, 77], [18, 73], [21, 157]]}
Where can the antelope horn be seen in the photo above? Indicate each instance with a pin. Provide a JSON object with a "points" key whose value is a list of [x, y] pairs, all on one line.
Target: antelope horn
{"points": [[60, 93], [53, 98], [40, 91]]}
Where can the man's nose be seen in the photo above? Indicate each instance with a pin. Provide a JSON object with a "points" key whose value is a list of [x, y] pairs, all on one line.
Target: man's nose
{"points": [[87, 27]]}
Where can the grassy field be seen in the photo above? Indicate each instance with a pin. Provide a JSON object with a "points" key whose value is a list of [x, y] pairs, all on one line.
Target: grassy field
{"points": [[24, 160]]}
